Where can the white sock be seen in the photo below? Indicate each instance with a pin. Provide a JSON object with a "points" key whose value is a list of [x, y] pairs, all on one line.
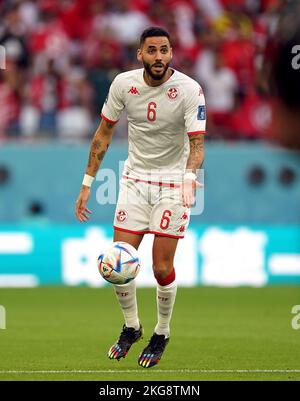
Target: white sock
{"points": [[126, 295], [165, 296]]}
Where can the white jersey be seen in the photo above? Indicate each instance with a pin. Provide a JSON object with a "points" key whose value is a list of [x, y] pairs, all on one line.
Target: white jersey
{"points": [[160, 119]]}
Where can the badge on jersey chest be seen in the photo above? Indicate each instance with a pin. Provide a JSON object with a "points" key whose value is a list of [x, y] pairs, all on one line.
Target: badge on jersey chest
{"points": [[172, 93]]}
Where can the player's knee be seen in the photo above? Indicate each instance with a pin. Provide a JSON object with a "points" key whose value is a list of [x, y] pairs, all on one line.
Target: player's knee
{"points": [[161, 270]]}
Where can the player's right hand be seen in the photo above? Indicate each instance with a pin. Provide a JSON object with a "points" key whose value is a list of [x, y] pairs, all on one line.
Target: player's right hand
{"points": [[81, 210]]}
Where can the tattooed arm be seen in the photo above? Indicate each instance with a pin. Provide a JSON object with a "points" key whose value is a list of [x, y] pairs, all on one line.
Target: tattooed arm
{"points": [[99, 146], [196, 156], [195, 160]]}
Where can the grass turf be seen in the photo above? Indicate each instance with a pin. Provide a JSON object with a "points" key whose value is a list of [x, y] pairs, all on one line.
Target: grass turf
{"points": [[213, 329]]}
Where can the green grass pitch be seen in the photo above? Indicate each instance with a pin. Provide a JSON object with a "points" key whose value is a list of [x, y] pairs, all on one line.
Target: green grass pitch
{"points": [[216, 334]]}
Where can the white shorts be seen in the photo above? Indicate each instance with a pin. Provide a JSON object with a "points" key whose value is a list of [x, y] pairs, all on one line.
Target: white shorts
{"points": [[145, 207]]}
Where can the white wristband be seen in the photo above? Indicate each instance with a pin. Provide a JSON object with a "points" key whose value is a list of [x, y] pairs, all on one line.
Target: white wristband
{"points": [[87, 180], [190, 176]]}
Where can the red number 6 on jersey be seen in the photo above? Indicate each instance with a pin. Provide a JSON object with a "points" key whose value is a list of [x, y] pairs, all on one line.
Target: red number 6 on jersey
{"points": [[165, 220], [151, 112]]}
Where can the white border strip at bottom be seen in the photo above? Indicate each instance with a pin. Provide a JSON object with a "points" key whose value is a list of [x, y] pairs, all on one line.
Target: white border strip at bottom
{"points": [[154, 370]]}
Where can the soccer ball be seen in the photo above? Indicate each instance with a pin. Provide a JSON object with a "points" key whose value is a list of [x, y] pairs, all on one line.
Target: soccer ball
{"points": [[119, 264]]}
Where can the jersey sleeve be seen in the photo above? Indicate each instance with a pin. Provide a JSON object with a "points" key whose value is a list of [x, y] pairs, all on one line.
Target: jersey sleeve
{"points": [[113, 105], [195, 112]]}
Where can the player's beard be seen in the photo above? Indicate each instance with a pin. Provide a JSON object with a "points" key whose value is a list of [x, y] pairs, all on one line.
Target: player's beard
{"points": [[156, 77]]}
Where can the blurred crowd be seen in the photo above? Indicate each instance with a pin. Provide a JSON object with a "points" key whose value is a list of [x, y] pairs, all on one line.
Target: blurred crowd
{"points": [[61, 56]]}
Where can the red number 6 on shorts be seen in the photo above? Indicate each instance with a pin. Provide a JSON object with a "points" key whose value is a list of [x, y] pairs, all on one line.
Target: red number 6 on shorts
{"points": [[165, 220]]}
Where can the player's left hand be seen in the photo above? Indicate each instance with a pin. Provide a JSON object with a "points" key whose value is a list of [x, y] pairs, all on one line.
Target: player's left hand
{"points": [[188, 188]]}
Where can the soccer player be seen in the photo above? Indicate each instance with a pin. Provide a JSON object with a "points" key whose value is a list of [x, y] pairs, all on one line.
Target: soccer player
{"points": [[166, 126]]}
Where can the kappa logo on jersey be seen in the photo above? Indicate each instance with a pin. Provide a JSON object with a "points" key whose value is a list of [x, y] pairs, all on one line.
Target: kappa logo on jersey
{"points": [[184, 216], [172, 93], [181, 229], [133, 90], [201, 113], [122, 216]]}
